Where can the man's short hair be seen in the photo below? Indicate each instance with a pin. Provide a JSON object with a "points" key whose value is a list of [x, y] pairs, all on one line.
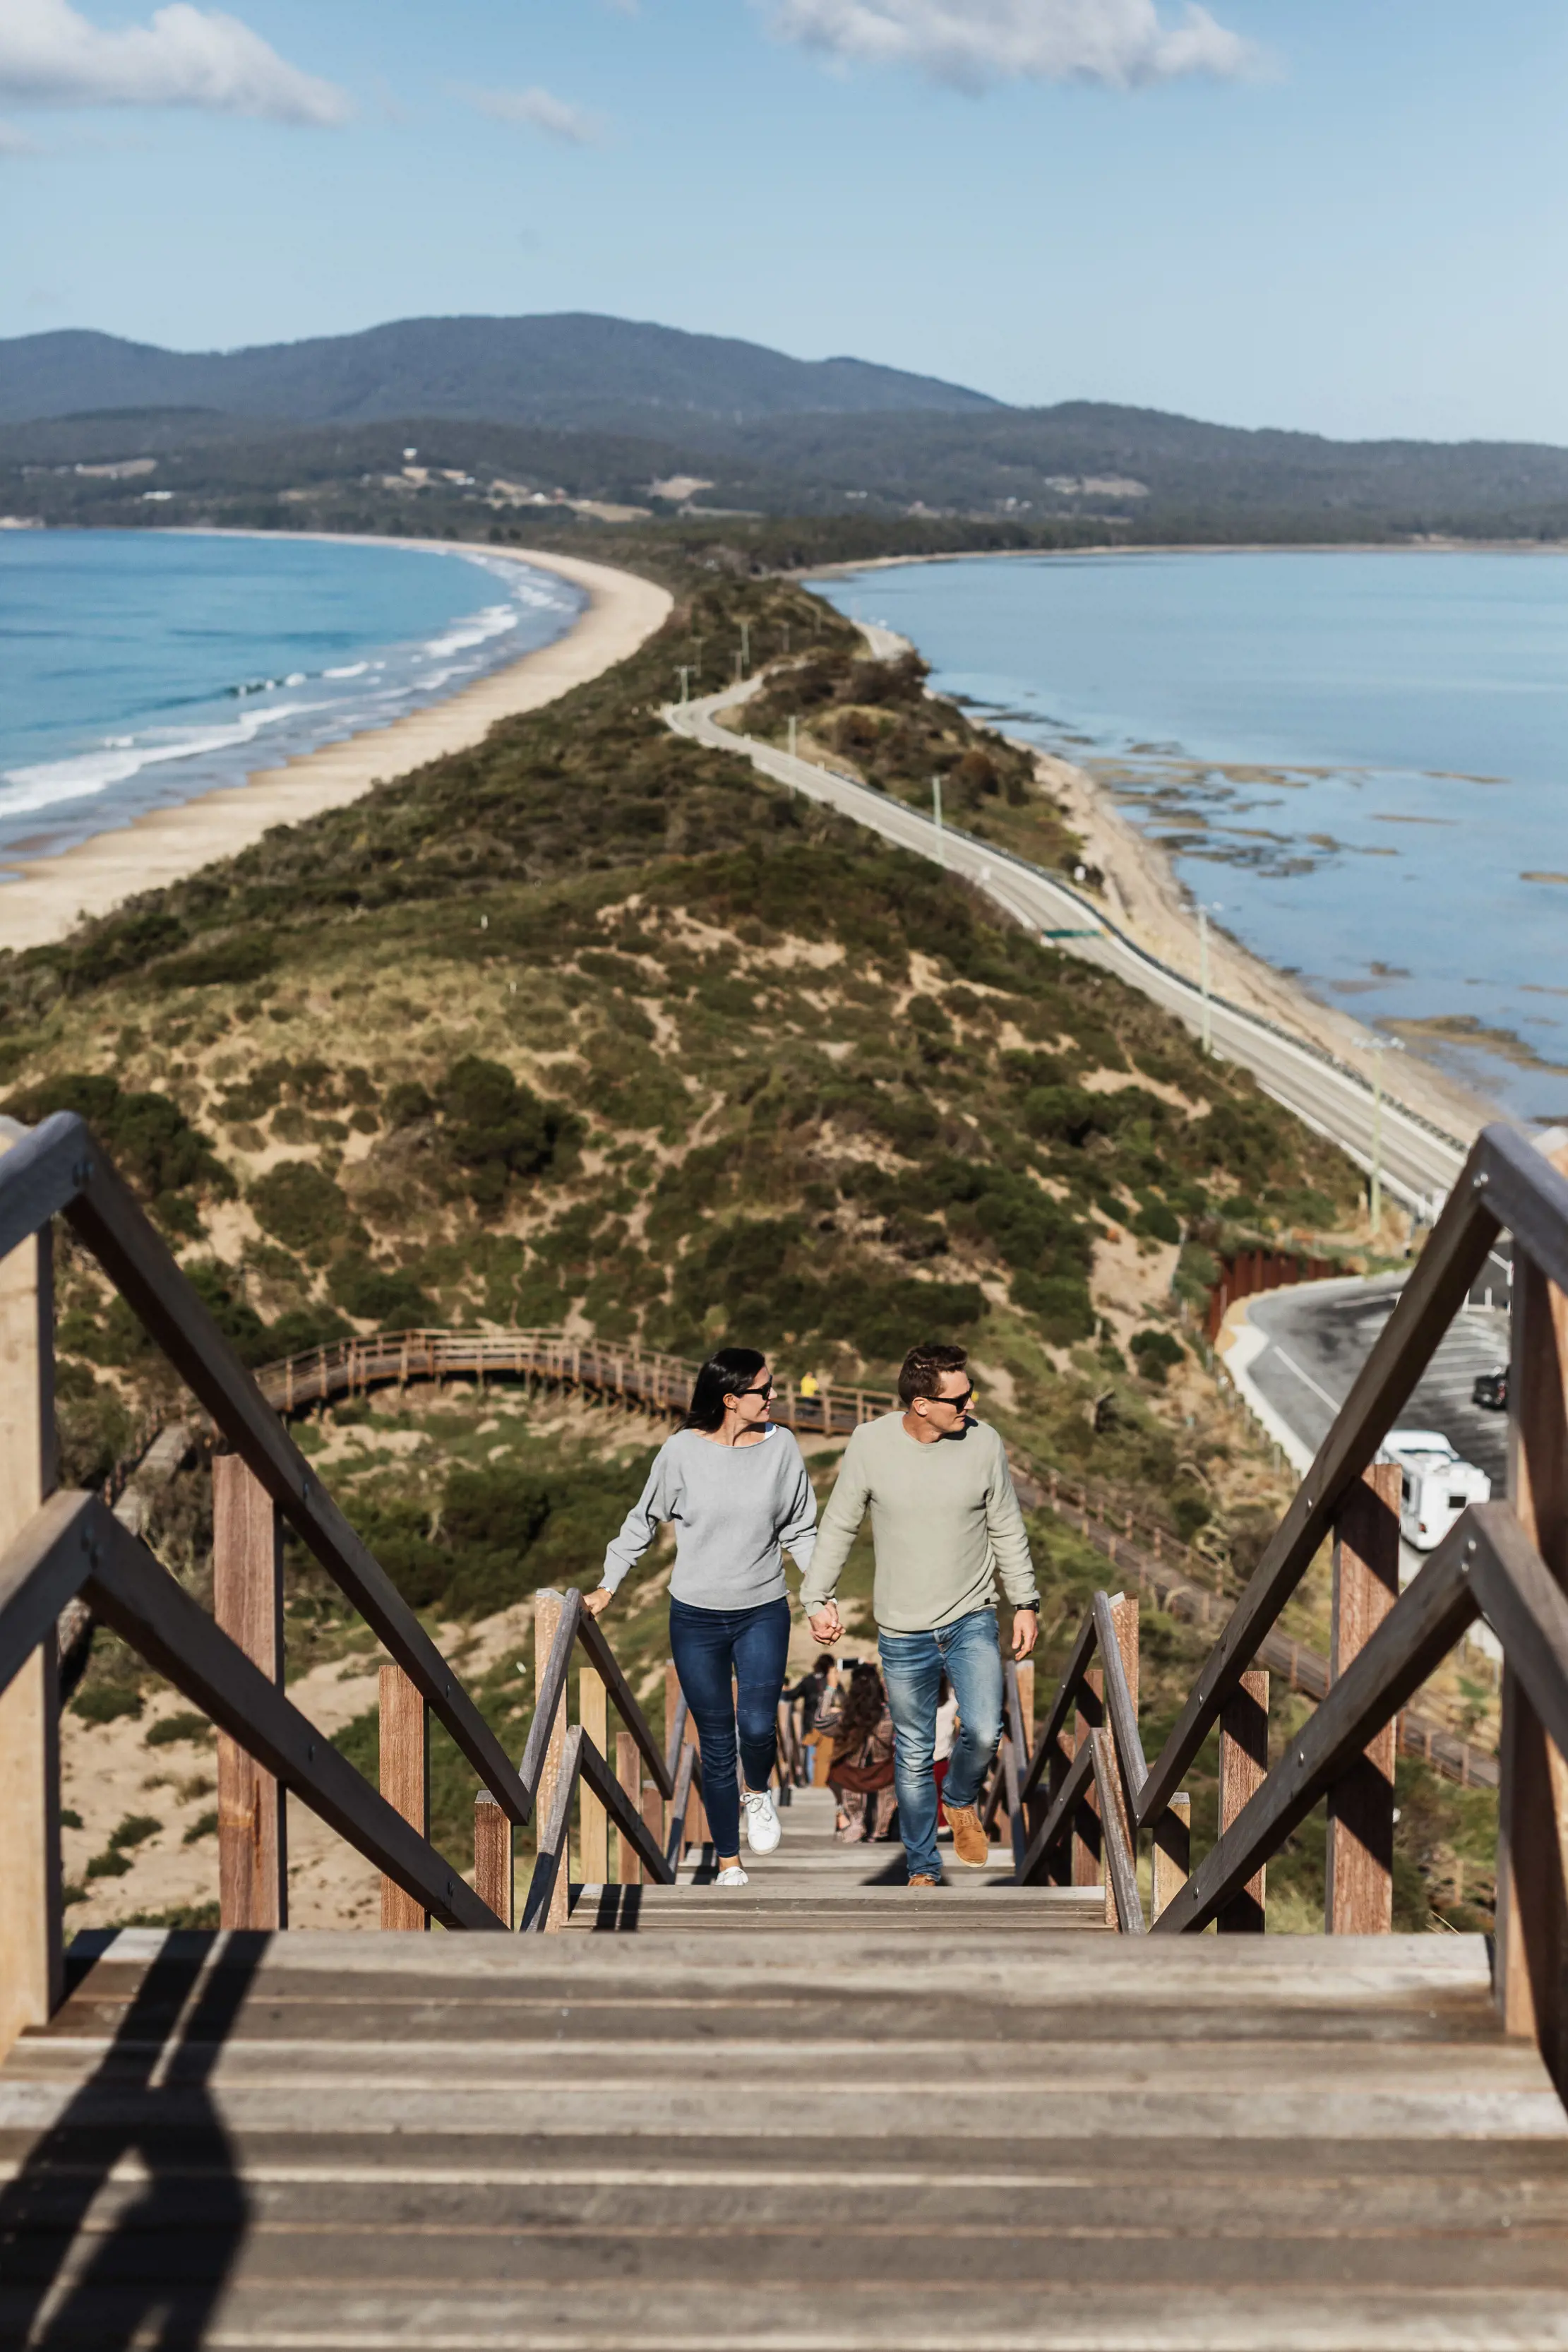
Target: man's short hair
{"points": [[924, 1368]]}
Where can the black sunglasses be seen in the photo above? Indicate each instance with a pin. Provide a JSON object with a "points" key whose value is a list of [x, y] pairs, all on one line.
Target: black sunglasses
{"points": [[764, 1388], [959, 1404]]}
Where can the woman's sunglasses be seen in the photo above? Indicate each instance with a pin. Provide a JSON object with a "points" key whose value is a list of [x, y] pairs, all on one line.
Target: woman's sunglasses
{"points": [[764, 1388]]}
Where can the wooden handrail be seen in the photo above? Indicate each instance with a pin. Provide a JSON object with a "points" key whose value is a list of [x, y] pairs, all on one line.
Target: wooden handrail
{"points": [[75, 1544], [1444, 1273], [580, 1760]]}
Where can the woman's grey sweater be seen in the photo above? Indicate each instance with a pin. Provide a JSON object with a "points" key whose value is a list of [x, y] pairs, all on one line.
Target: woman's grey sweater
{"points": [[733, 1508]]}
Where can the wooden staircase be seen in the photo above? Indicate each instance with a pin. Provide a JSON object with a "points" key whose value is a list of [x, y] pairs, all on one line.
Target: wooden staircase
{"points": [[828, 2110], [823, 2112]]}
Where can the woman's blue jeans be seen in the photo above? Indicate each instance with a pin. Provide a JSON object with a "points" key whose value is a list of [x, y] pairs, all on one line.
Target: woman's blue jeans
{"points": [[709, 1645], [913, 1665]]}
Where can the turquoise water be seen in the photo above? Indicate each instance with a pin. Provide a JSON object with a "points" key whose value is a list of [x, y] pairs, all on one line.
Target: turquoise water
{"points": [[139, 668], [1361, 760]]}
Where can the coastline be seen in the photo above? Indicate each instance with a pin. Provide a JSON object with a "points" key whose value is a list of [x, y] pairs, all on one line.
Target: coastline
{"points": [[1147, 899], [52, 895]]}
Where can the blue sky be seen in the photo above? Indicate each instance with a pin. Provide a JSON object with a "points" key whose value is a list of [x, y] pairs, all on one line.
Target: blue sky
{"points": [[1350, 219]]}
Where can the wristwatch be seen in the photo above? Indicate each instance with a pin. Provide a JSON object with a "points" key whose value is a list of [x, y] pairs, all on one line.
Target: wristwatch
{"points": [[1033, 1606]]}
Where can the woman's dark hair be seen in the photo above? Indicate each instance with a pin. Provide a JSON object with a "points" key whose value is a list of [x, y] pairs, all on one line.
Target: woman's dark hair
{"points": [[723, 1375], [863, 1709]]}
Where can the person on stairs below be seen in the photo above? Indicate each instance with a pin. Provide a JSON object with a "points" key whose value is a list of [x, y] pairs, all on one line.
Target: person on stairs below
{"points": [[946, 1525], [736, 1489], [857, 1720]]}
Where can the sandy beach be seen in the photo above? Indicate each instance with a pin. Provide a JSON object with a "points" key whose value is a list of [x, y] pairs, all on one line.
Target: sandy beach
{"points": [[53, 893]]}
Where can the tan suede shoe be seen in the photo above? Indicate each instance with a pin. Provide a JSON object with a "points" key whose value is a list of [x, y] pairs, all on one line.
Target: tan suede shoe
{"points": [[970, 1842], [920, 1879]]}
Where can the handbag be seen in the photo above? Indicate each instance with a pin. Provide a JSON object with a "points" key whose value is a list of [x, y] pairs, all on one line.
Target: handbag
{"points": [[862, 1777]]}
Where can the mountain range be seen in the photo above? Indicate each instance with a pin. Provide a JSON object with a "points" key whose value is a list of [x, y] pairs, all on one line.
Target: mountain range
{"points": [[611, 411], [573, 370]]}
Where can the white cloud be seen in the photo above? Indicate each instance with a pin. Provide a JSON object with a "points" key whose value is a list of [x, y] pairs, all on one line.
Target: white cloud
{"points": [[972, 43], [540, 110], [52, 54]]}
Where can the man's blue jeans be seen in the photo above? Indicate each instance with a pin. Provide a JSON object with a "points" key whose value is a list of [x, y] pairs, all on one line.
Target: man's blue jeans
{"points": [[913, 1665]]}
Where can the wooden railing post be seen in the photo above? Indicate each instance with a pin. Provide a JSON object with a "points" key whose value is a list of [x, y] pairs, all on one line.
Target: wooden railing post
{"points": [[1243, 1769], [404, 1781], [1358, 1893], [1532, 1974], [1086, 1853], [32, 1967], [629, 1773], [594, 1822], [248, 1603], [547, 1619], [1173, 1852], [493, 1856], [1124, 1611]]}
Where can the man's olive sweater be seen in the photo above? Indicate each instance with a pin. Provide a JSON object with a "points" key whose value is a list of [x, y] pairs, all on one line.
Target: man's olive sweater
{"points": [[945, 1522]]}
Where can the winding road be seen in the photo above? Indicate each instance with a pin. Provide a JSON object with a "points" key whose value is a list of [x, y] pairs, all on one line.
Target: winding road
{"points": [[1420, 1161]]}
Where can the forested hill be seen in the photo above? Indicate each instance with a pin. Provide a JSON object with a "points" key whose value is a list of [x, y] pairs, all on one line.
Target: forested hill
{"points": [[570, 370], [646, 420]]}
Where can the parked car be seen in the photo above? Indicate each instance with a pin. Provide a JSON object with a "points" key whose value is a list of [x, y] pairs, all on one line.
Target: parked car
{"points": [[1490, 1390], [1435, 1484]]}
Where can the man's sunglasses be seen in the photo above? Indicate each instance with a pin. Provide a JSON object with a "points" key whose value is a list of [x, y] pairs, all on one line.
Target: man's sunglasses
{"points": [[959, 1404]]}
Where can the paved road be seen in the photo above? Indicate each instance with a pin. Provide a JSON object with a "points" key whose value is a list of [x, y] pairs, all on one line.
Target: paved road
{"points": [[1418, 1162], [1320, 1334]]}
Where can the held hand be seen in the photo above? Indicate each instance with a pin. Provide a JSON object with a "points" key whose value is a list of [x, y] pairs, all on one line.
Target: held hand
{"points": [[596, 1603], [1026, 1631], [827, 1626]]}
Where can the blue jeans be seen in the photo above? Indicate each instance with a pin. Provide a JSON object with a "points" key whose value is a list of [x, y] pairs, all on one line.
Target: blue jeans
{"points": [[913, 1665], [706, 1644]]}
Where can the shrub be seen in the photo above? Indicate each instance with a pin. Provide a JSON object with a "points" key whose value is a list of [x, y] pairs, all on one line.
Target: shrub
{"points": [[162, 1156], [495, 1129], [1156, 1352], [301, 1208], [377, 1294], [245, 956], [171, 1727], [203, 1826], [1158, 1222], [106, 1703], [1060, 1306]]}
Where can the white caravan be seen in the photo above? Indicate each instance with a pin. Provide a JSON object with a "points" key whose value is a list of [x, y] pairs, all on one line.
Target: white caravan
{"points": [[1435, 1485]]}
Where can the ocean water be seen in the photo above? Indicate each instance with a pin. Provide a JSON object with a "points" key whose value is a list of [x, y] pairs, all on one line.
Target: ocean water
{"points": [[140, 668], [1358, 759]]}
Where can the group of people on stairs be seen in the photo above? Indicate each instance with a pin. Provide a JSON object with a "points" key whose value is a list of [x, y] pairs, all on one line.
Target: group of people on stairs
{"points": [[946, 1530]]}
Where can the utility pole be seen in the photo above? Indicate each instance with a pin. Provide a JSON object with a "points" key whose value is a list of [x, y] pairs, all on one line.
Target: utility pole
{"points": [[746, 649], [683, 672], [792, 734], [1203, 915], [1378, 1047], [786, 637], [936, 818], [697, 664]]}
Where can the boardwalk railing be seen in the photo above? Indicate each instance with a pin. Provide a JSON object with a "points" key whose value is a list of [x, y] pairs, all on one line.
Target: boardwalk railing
{"points": [[56, 1545], [1506, 1561]]}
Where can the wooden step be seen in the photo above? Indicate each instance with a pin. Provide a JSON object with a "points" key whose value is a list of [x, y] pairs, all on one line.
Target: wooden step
{"points": [[784, 2134]]}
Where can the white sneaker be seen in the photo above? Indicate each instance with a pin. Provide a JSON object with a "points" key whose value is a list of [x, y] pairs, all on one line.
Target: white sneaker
{"points": [[733, 1876], [763, 1827]]}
